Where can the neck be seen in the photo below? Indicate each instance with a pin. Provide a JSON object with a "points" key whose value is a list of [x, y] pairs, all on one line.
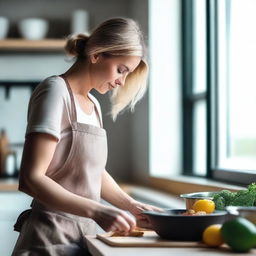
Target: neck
{"points": [[79, 78]]}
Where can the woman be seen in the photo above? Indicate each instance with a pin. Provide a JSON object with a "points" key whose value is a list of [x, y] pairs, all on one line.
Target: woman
{"points": [[65, 151]]}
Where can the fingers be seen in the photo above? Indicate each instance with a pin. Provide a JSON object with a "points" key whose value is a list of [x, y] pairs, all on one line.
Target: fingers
{"points": [[148, 207], [131, 222], [124, 222], [157, 209], [137, 208], [116, 220], [144, 223], [121, 224], [142, 220]]}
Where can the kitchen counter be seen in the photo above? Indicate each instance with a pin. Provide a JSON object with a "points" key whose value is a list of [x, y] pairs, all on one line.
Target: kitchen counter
{"points": [[8, 184], [98, 248]]}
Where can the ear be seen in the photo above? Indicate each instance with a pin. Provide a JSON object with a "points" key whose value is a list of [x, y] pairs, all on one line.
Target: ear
{"points": [[94, 58]]}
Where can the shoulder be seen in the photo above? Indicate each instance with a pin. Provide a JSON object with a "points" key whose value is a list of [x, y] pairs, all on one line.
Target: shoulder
{"points": [[49, 107], [53, 85], [51, 94]]}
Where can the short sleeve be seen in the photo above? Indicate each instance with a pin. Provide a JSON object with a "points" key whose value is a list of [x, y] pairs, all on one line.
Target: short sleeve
{"points": [[47, 108]]}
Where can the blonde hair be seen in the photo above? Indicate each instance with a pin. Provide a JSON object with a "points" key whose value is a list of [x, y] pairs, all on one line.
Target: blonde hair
{"points": [[116, 37]]}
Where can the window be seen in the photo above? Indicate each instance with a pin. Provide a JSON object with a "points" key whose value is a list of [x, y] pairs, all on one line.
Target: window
{"points": [[219, 117], [218, 89], [194, 87], [236, 129]]}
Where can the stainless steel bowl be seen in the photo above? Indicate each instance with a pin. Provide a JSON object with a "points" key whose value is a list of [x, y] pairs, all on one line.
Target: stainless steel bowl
{"points": [[191, 198], [248, 212]]}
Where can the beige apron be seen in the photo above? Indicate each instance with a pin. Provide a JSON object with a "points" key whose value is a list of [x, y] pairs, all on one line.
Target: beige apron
{"points": [[44, 231]]}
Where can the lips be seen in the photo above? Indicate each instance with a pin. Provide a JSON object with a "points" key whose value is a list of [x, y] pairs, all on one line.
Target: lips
{"points": [[112, 85]]}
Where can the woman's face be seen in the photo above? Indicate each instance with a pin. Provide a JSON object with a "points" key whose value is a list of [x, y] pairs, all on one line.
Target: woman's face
{"points": [[108, 73]]}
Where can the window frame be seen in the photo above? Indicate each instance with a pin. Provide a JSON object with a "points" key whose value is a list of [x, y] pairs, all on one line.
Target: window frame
{"points": [[189, 99]]}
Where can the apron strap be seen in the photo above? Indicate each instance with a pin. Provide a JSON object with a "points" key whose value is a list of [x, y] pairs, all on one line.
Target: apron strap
{"points": [[97, 111], [73, 108]]}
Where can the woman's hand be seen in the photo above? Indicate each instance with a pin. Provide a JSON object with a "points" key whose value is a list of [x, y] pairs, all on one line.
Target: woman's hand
{"points": [[141, 220], [113, 219]]}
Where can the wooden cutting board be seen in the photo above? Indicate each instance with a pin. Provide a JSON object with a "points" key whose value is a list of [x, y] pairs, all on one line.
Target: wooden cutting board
{"points": [[149, 239]]}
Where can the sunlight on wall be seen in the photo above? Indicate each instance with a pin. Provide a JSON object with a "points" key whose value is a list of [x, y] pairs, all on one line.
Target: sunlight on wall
{"points": [[165, 87]]}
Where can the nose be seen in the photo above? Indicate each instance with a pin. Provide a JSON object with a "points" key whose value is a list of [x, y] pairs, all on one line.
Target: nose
{"points": [[121, 81]]}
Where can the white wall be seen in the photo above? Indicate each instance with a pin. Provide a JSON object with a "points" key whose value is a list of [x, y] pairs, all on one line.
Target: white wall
{"points": [[165, 87], [156, 125], [139, 119]]}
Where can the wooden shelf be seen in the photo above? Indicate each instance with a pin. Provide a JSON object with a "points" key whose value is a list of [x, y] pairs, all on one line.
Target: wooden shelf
{"points": [[32, 45]]}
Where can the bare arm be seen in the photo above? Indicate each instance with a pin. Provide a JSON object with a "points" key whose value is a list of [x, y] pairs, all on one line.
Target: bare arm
{"points": [[111, 192], [37, 155]]}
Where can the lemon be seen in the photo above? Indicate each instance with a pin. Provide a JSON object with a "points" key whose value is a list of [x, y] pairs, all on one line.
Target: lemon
{"points": [[239, 234], [212, 235], [205, 205]]}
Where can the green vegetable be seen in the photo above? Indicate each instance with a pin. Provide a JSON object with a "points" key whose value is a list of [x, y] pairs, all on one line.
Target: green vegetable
{"points": [[239, 234], [246, 197], [252, 187], [222, 199], [243, 198], [219, 202]]}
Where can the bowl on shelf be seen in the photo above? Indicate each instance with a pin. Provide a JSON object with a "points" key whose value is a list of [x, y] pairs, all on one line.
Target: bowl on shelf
{"points": [[191, 198], [33, 28], [172, 225], [4, 27]]}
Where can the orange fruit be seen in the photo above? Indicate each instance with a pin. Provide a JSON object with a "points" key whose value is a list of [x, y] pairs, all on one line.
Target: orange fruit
{"points": [[204, 205], [212, 235]]}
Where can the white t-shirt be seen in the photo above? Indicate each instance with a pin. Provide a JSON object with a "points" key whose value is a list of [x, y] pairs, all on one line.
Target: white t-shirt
{"points": [[82, 117], [50, 105]]}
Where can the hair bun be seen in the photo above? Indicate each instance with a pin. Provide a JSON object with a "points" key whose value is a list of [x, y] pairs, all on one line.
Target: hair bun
{"points": [[75, 45]]}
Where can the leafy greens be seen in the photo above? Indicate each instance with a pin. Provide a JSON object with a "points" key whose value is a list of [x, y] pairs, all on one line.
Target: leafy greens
{"points": [[245, 197]]}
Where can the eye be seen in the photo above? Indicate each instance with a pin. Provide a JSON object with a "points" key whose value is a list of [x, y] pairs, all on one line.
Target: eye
{"points": [[120, 71]]}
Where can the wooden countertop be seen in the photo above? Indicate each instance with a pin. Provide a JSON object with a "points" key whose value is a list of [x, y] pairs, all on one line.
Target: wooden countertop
{"points": [[98, 248], [8, 184]]}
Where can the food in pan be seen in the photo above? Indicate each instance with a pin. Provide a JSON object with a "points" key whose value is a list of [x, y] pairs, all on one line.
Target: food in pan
{"points": [[193, 213]]}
